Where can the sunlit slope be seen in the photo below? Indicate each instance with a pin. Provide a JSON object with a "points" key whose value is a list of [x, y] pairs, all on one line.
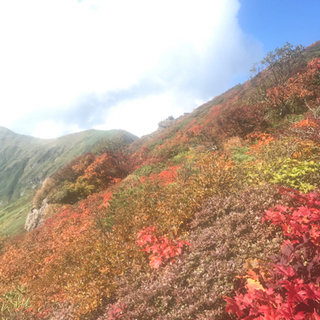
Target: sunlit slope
{"points": [[223, 116], [214, 217]]}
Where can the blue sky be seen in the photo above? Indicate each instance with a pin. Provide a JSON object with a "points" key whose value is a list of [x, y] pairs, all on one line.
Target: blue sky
{"points": [[275, 22], [71, 65]]}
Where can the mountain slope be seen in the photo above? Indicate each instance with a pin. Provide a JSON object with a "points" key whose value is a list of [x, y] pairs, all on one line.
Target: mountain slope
{"points": [[219, 215], [217, 118]]}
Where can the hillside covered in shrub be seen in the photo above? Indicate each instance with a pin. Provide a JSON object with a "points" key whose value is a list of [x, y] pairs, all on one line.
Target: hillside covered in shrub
{"points": [[216, 217]]}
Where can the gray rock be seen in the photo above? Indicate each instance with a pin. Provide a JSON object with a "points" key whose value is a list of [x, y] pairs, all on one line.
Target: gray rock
{"points": [[35, 216], [166, 123]]}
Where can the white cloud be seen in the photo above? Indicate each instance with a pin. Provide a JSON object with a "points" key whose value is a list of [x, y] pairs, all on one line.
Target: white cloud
{"points": [[49, 129], [54, 52], [141, 116]]}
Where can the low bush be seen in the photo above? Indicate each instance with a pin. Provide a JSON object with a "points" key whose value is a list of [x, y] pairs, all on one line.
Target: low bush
{"points": [[46, 189], [240, 154], [302, 175], [181, 157], [289, 287], [287, 162], [241, 120], [225, 233], [234, 142], [72, 192]]}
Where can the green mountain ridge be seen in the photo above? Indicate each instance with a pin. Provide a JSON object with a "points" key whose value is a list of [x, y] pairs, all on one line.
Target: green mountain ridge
{"points": [[25, 161]]}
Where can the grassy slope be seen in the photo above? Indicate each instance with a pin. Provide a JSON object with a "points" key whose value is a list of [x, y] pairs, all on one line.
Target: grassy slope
{"points": [[13, 215]]}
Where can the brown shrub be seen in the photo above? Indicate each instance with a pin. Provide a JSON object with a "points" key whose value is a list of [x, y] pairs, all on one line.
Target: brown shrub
{"points": [[233, 142], [43, 192], [50, 211]]}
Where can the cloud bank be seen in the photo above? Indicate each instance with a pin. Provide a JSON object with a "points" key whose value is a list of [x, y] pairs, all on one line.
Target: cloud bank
{"points": [[74, 65]]}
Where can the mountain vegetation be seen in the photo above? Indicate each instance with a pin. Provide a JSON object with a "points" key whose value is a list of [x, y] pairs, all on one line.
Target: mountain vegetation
{"points": [[215, 217], [25, 162]]}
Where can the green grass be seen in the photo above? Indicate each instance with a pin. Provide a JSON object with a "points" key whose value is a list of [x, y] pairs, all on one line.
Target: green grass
{"points": [[13, 215], [238, 154]]}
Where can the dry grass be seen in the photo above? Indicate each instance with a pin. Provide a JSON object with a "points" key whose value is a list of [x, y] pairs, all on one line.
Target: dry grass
{"points": [[43, 192], [232, 143]]}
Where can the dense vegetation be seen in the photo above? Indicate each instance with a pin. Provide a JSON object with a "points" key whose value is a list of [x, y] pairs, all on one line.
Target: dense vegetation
{"points": [[216, 217]]}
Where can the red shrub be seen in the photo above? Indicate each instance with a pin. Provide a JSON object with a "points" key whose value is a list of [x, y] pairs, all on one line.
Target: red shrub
{"points": [[289, 288], [241, 120], [162, 249]]}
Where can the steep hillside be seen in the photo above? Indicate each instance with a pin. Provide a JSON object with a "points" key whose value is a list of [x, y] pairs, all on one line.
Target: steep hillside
{"points": [[26, 161], [243, 109], [218, 218]]}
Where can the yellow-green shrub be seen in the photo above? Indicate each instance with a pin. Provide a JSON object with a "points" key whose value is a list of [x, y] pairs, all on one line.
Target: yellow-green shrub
{"points": [[295, 174], [287, 162]]}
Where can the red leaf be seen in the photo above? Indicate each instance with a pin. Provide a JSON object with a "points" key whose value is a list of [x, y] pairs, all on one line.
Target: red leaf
{"points": [[300, 316], [270, 291], [232, 307], [311, 291], [287, 271], [155, 262], [146, 249]]}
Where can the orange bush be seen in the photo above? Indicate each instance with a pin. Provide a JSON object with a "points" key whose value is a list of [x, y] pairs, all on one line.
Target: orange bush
{"points": [[262, 138]]}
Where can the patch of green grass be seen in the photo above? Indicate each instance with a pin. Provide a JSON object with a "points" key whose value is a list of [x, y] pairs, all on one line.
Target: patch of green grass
{"points": [[146, 170], [156, 143], [293, 118], [239, 155], [13, 215], [180, 158]]}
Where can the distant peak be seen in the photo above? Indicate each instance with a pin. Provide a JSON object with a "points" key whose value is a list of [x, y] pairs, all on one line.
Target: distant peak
{"points": [[6, 130]]}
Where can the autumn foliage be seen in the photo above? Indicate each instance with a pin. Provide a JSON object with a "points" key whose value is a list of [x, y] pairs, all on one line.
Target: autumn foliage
{"points": [[288, 288], [241, 120], [293, 96], [84, 176], [215, 217], [161, 248]]}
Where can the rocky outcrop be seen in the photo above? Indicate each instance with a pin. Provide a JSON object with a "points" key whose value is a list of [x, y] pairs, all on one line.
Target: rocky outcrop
{"points": [[35, 216], [164, 124]]}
